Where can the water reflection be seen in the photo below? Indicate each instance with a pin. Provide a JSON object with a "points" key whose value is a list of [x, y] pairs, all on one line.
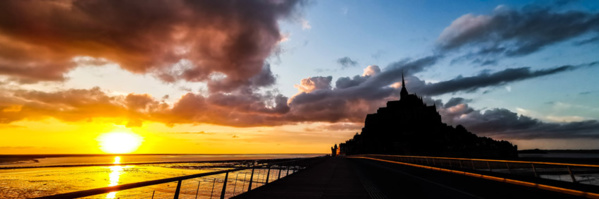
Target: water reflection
{"points": [[115, 173]]}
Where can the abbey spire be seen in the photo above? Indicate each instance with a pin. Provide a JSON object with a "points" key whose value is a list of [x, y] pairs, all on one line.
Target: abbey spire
{"points": [[404, 91]]}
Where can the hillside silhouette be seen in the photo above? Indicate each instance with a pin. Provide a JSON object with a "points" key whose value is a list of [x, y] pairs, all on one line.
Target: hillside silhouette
{"points": [[410, 127]]}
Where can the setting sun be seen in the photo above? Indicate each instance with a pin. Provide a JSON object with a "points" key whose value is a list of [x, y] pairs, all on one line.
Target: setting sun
{"points": [[119, 142]]}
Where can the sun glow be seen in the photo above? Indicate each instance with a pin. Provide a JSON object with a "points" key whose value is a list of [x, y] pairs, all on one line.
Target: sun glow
{"points": [[119, 142]]}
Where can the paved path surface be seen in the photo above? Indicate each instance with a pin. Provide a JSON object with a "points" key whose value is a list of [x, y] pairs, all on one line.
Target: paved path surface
{"points": [[334, 178], [361, 178]]}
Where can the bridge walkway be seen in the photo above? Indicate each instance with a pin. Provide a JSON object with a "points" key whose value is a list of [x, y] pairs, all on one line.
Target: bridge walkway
{"points": [[362, 178]]}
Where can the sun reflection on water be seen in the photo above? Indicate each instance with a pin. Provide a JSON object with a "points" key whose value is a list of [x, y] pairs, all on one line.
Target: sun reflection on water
{"points": [[115, 173]]}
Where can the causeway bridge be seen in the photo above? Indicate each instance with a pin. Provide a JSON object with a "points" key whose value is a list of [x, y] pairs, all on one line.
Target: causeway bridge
{"points": [[376, 177]]}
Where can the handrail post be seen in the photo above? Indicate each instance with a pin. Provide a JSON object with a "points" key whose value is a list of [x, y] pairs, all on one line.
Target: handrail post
{"points": [[267, 175], [508, 167], [198, 189], [279, 175], [212, 192], [178, 189], [251, 178], [534, 170], [473, 168], [489, 166], [235, 185], [243, 185], [572, 175], [223, 192], [287, 171]]}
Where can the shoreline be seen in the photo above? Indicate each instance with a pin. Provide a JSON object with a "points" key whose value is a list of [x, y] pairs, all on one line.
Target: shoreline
{"points": [[19, 162]]}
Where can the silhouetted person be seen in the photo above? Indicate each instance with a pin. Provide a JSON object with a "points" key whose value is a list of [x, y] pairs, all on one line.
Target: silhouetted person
{"points": [[334, 150]]}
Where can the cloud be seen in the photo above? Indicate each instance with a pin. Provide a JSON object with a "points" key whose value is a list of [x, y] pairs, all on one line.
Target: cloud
{"points": [[587, 41], [240, 109], [80, 105], [346, 62], [190, 133], [455, 101], [348, 100], [346, 82], [311, 84], [351, 98], [337, 127], [69, 105], [486, 79], [172, 39], [306, 25], [554, 118], [509, 32], [349, 104], [371, 70], [504, 124], [225, 44]]}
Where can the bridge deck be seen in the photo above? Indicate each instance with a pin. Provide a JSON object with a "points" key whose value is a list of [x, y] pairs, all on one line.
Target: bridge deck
{"points": [[334, 178], [361, 178]]}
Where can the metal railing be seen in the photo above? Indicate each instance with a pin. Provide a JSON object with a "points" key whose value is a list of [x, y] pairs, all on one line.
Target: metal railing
{"points": [[575, 173], [260, 175]]}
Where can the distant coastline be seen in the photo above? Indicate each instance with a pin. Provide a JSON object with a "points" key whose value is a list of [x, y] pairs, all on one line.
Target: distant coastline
{"points": [[578, 156], [537, 151], [18, 161], [141, 154]]}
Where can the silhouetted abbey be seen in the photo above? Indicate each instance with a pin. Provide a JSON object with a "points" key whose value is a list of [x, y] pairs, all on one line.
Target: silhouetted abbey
{"points": [[410, 127]]}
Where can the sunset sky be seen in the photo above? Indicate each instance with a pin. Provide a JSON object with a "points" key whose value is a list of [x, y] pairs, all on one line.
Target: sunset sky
{"points": [[274, 76]]}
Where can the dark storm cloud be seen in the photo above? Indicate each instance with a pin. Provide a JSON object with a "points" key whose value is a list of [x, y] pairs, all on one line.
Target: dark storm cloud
{"points": [[394, 71], [587, 41], [264, 78], [486, 79], [39, 39], [346, 62], [346, 82], [222, 43], [455, 101], [505, 124], [508, 32]]}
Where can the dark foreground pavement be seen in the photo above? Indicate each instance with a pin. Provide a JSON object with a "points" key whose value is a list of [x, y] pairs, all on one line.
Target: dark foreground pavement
{"points": [[334, 178], [362, 178]]}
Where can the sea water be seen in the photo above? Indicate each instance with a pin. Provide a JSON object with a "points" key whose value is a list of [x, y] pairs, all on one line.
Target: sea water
{"points": [[37, 179]]}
